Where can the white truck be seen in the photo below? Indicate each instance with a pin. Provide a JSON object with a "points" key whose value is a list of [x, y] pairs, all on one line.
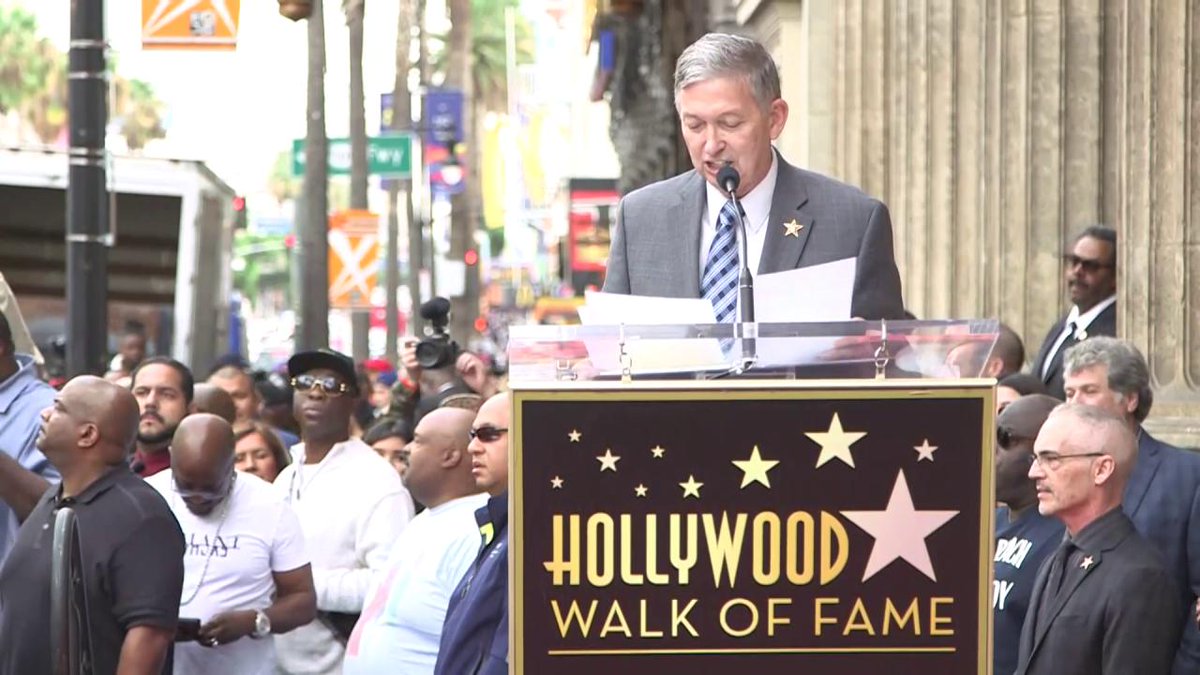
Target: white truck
{"points": [[168, 266]]}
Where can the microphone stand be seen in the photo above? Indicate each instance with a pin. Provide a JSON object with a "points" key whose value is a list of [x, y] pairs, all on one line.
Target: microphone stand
{"points": [[746, 329]]}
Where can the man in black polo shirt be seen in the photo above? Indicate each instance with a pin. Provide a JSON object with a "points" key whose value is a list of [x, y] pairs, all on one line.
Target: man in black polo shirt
{"points": [[131, 545]]}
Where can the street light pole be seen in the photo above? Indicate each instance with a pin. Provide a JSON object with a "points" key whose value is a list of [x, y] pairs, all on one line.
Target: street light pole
{"points": [[88, 228]]}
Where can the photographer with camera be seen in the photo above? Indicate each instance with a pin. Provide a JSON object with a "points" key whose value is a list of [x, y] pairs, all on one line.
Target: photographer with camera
{"points": [[438, 372]]}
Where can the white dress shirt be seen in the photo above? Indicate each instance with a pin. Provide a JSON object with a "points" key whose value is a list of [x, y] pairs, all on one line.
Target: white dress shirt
{"points": [[1081, 323]]}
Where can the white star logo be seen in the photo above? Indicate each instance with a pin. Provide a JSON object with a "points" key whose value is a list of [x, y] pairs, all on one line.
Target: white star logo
{"points": [[899, 531], [608, 461], [574, 435], [925, 450], [835, 443], [556, 483]]}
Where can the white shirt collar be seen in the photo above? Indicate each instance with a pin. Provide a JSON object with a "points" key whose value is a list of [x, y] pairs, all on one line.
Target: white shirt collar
{"points": [[756, 204], [1082, 321]]}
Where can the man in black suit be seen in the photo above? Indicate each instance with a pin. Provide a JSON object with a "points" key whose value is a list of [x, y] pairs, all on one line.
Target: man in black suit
{"points": [[1091, 269], [1162, 497], [1103, 604]]}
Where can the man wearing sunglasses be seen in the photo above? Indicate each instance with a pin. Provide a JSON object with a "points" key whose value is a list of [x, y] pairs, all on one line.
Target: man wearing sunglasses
{"points": [[1024, 537], [1163, 496], [475, 634], [351, 504], [246, 570], [1091, 273], [1103, 604]]}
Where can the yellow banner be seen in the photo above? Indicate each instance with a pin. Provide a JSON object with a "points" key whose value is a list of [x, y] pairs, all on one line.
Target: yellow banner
{"points": [[190, 24]]}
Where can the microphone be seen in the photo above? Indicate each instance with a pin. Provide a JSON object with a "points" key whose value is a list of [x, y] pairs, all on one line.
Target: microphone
{"points": [[728, 179]]}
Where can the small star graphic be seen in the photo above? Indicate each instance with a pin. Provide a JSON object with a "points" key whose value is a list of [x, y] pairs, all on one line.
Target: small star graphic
{"points": [[793, 228], [899, 531], [575, 435], [658, 451], [608, 461], [556, 483], [641, 490], [754, 470], [836, 443], [691, 488], [1087, 563], [925, 450]]}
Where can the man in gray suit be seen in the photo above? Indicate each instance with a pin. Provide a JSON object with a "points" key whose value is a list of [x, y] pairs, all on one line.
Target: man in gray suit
{"points": [[1103, 604], [677, 237]]}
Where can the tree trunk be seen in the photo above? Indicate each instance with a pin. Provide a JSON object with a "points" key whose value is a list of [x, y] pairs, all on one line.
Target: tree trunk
{"points": [[463, 210], [401, 122], [360, 319], [313, 329], [416, 223]]}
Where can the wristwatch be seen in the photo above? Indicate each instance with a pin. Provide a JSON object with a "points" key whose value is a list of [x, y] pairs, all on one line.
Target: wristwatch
{"points": [[262, 625]]}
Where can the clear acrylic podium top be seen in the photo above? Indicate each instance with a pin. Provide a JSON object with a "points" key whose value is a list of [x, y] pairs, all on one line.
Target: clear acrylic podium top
{"points": [[947, 349]]}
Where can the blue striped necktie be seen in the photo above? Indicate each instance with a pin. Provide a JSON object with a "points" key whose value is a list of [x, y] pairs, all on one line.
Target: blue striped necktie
{"points": [[719, 283]]}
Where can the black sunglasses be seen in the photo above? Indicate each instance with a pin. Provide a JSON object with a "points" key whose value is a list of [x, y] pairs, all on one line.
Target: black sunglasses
{"points": [[487, 434], [1006, 438], [1086, 264], [330, 385]]}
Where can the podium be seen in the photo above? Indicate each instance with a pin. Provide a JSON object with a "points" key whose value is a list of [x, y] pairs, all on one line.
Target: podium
{"points": [[673, 513]]}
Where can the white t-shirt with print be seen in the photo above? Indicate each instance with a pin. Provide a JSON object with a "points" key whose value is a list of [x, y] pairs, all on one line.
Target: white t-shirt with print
{"points": [[246, 539]]}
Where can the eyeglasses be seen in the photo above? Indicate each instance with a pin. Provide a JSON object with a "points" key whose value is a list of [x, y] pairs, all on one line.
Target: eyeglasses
{"points": [[1053, 460], [1086, 264], [1006, 438], [487, 434], [329, 385]]}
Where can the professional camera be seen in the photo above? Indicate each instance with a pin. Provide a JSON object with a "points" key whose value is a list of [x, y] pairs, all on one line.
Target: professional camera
{"points": [[436, 350]]}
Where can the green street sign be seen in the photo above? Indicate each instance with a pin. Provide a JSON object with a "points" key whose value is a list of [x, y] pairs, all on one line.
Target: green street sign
{"points": [[386, 156]]}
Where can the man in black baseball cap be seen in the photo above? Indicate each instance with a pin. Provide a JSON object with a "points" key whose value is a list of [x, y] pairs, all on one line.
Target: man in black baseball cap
{"points": [[337, 363]]}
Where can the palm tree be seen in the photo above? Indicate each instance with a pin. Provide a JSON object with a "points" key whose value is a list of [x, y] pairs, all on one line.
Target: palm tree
{"points": [[313, 330], [140, 114], [25, 65], [463, 206], [354, 11]]}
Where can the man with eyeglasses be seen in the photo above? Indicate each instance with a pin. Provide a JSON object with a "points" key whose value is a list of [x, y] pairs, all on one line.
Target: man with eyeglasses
{"points": [[351, 504], [246, 570], [401, 624], [1103, 604], [1024, 537], [475, 634], [1163, 495], [1091, 272]]}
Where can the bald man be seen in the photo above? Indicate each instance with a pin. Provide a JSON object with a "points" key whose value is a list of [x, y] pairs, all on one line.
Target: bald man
{"points": [[1103, 603], [131, 546], [209, 398], [247, 572], [401, 624]]}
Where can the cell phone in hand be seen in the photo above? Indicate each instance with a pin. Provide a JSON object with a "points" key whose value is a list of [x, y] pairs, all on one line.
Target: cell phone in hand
{"points": [[188, 630]]}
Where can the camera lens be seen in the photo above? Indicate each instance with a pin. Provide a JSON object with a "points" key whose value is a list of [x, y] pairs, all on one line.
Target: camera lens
{"points": [[429, 354]]}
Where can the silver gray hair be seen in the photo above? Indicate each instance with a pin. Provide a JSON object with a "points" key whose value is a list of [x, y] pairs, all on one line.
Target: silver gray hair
{"points": [[722, 55], [1127, 370], [1108, 433]]}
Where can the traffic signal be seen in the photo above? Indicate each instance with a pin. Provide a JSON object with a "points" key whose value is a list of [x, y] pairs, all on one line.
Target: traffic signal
{"points": [[295, 9], [239, 213], [471, 257]]}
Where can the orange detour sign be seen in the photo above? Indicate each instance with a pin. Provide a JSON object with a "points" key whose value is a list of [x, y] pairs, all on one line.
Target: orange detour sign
{"points": [[353, 258], [190, 24]]}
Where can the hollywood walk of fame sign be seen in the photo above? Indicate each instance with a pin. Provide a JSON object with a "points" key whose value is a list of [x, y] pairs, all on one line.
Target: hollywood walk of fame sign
{"points": [[768, 526]]}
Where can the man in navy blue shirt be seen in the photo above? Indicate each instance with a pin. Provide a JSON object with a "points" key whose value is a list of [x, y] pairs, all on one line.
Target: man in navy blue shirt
{"points": [[475, 634], [1024, 537]]}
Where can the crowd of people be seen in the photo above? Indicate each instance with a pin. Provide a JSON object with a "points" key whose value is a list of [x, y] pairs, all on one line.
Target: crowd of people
{"points": [[336, 517]]}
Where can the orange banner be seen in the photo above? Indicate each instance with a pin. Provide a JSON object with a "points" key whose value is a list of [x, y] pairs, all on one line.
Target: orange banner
{"points": [[190, 24], [353, 258]]}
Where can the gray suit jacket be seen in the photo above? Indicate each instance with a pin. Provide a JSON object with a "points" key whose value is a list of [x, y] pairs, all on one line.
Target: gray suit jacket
{"points": [[1119, 616], [656, 245]]}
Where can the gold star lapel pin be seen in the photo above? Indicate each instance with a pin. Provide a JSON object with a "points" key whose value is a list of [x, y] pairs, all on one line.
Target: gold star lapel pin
{"points": [[793, 228], [1087, 563]]}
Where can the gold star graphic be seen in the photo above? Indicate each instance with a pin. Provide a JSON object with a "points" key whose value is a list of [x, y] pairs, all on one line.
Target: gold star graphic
{"points": [[608, 461], [575, 435], [658, 451], [925, 450], [754, 470], [836, 443], [691, 488], [1087, 562], [641, 490], [793, 228], [556, 483]]}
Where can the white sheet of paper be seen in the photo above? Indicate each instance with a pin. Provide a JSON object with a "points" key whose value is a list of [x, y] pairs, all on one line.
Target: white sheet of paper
{"points": [[650, 356], [816, 293]]}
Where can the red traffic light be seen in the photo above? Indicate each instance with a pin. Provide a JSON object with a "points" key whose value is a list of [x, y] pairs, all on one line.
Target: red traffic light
{"points": [[471, 257], [481, 324], [239, 203], [290, 241]]}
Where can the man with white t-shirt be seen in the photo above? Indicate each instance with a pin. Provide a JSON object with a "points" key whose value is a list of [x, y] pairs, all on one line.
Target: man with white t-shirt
{"points": [[246, 570], [401, 624], [351, 504]]}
